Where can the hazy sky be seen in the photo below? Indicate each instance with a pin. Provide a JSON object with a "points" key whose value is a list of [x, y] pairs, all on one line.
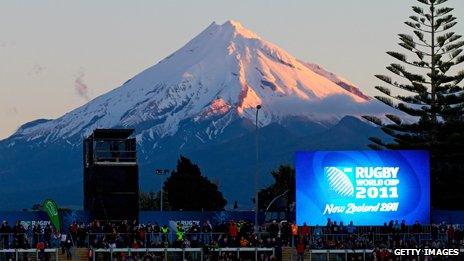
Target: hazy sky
{"points": [[55, 55]]}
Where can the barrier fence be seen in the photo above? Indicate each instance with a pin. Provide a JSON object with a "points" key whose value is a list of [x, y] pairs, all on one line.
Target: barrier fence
{"points": [[201, 254], [160, 239], [157, 239], [182, 253], [51, 254]]}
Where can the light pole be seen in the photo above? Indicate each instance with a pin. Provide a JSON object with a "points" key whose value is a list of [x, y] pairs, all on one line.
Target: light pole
{"points": [[161, 172], [257, 172]]}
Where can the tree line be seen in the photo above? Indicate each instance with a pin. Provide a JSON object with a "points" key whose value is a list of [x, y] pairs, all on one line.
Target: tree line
{"points": [[187, 189]]}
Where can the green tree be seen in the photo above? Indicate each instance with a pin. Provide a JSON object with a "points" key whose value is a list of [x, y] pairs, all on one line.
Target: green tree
{"points": [[282, 191], [187, 189], [426, 86]]}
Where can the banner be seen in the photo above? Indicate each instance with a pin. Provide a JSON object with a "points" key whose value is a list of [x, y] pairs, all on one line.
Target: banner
{"points": [[366, 187], [51, 208]]}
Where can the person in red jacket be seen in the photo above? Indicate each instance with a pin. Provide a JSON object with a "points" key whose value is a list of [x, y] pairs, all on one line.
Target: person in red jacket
{"points": [[73, 231], [300, 248], [233, 232], [135, 244], [384, 255], [305, 232], [41, 250]]}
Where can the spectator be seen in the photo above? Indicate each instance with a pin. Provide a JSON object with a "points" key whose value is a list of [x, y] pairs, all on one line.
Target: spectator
{"points": [[135, 244], [341, 228], [5, 230], [285, 232], [404, 228], [233, 232], [36, 231], [294, 228], [335, 228], [300, 248], [41, 250], [383, 255], [68, 245], [317, 232], [180, 233], [305, 232], [329, 223], [224, 242], [244, 242], [443, 227], [207, 229], [450, 233], [273, 229], [434, 232], [396, 227], [90, 254], [165, 232], [351, 229], [73, 231], [385, 228], [48, 234], [416, 228]]}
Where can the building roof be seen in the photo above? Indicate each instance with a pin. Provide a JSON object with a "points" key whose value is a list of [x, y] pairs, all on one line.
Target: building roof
{"points": [[112, 133]]}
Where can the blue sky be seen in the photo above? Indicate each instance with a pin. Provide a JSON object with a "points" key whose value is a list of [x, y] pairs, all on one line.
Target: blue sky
{"points": [[46, 46]]}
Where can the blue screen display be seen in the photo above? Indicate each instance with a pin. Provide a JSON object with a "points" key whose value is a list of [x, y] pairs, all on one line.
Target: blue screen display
{"points": [[366, 187]]}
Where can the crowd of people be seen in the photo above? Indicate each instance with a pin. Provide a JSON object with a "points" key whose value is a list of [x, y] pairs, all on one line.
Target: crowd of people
{"points": [[275, 235]]}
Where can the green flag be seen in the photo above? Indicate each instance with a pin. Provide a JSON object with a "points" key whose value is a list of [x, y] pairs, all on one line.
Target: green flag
{"points": [[51, 209]]}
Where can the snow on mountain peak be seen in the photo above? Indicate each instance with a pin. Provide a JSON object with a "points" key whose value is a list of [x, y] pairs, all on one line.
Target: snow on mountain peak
{"points": [[238, 29], [223, 72]]}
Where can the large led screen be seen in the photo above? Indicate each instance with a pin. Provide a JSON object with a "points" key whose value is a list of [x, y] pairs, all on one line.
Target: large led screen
{"points": [[366, 187]]}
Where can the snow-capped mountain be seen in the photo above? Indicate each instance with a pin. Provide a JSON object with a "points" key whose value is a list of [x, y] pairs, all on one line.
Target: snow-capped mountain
{"points": [[199, 102], [222, 73]]}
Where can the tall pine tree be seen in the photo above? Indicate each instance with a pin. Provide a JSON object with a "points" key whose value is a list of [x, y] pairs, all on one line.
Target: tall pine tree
{"points": [[427, 85]]}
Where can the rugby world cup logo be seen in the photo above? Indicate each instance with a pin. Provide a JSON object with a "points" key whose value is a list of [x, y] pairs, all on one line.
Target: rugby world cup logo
{"points": [[339, 180]]}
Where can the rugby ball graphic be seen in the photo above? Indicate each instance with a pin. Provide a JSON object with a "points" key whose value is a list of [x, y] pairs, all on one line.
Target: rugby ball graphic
{"points": [[339, 181]]}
